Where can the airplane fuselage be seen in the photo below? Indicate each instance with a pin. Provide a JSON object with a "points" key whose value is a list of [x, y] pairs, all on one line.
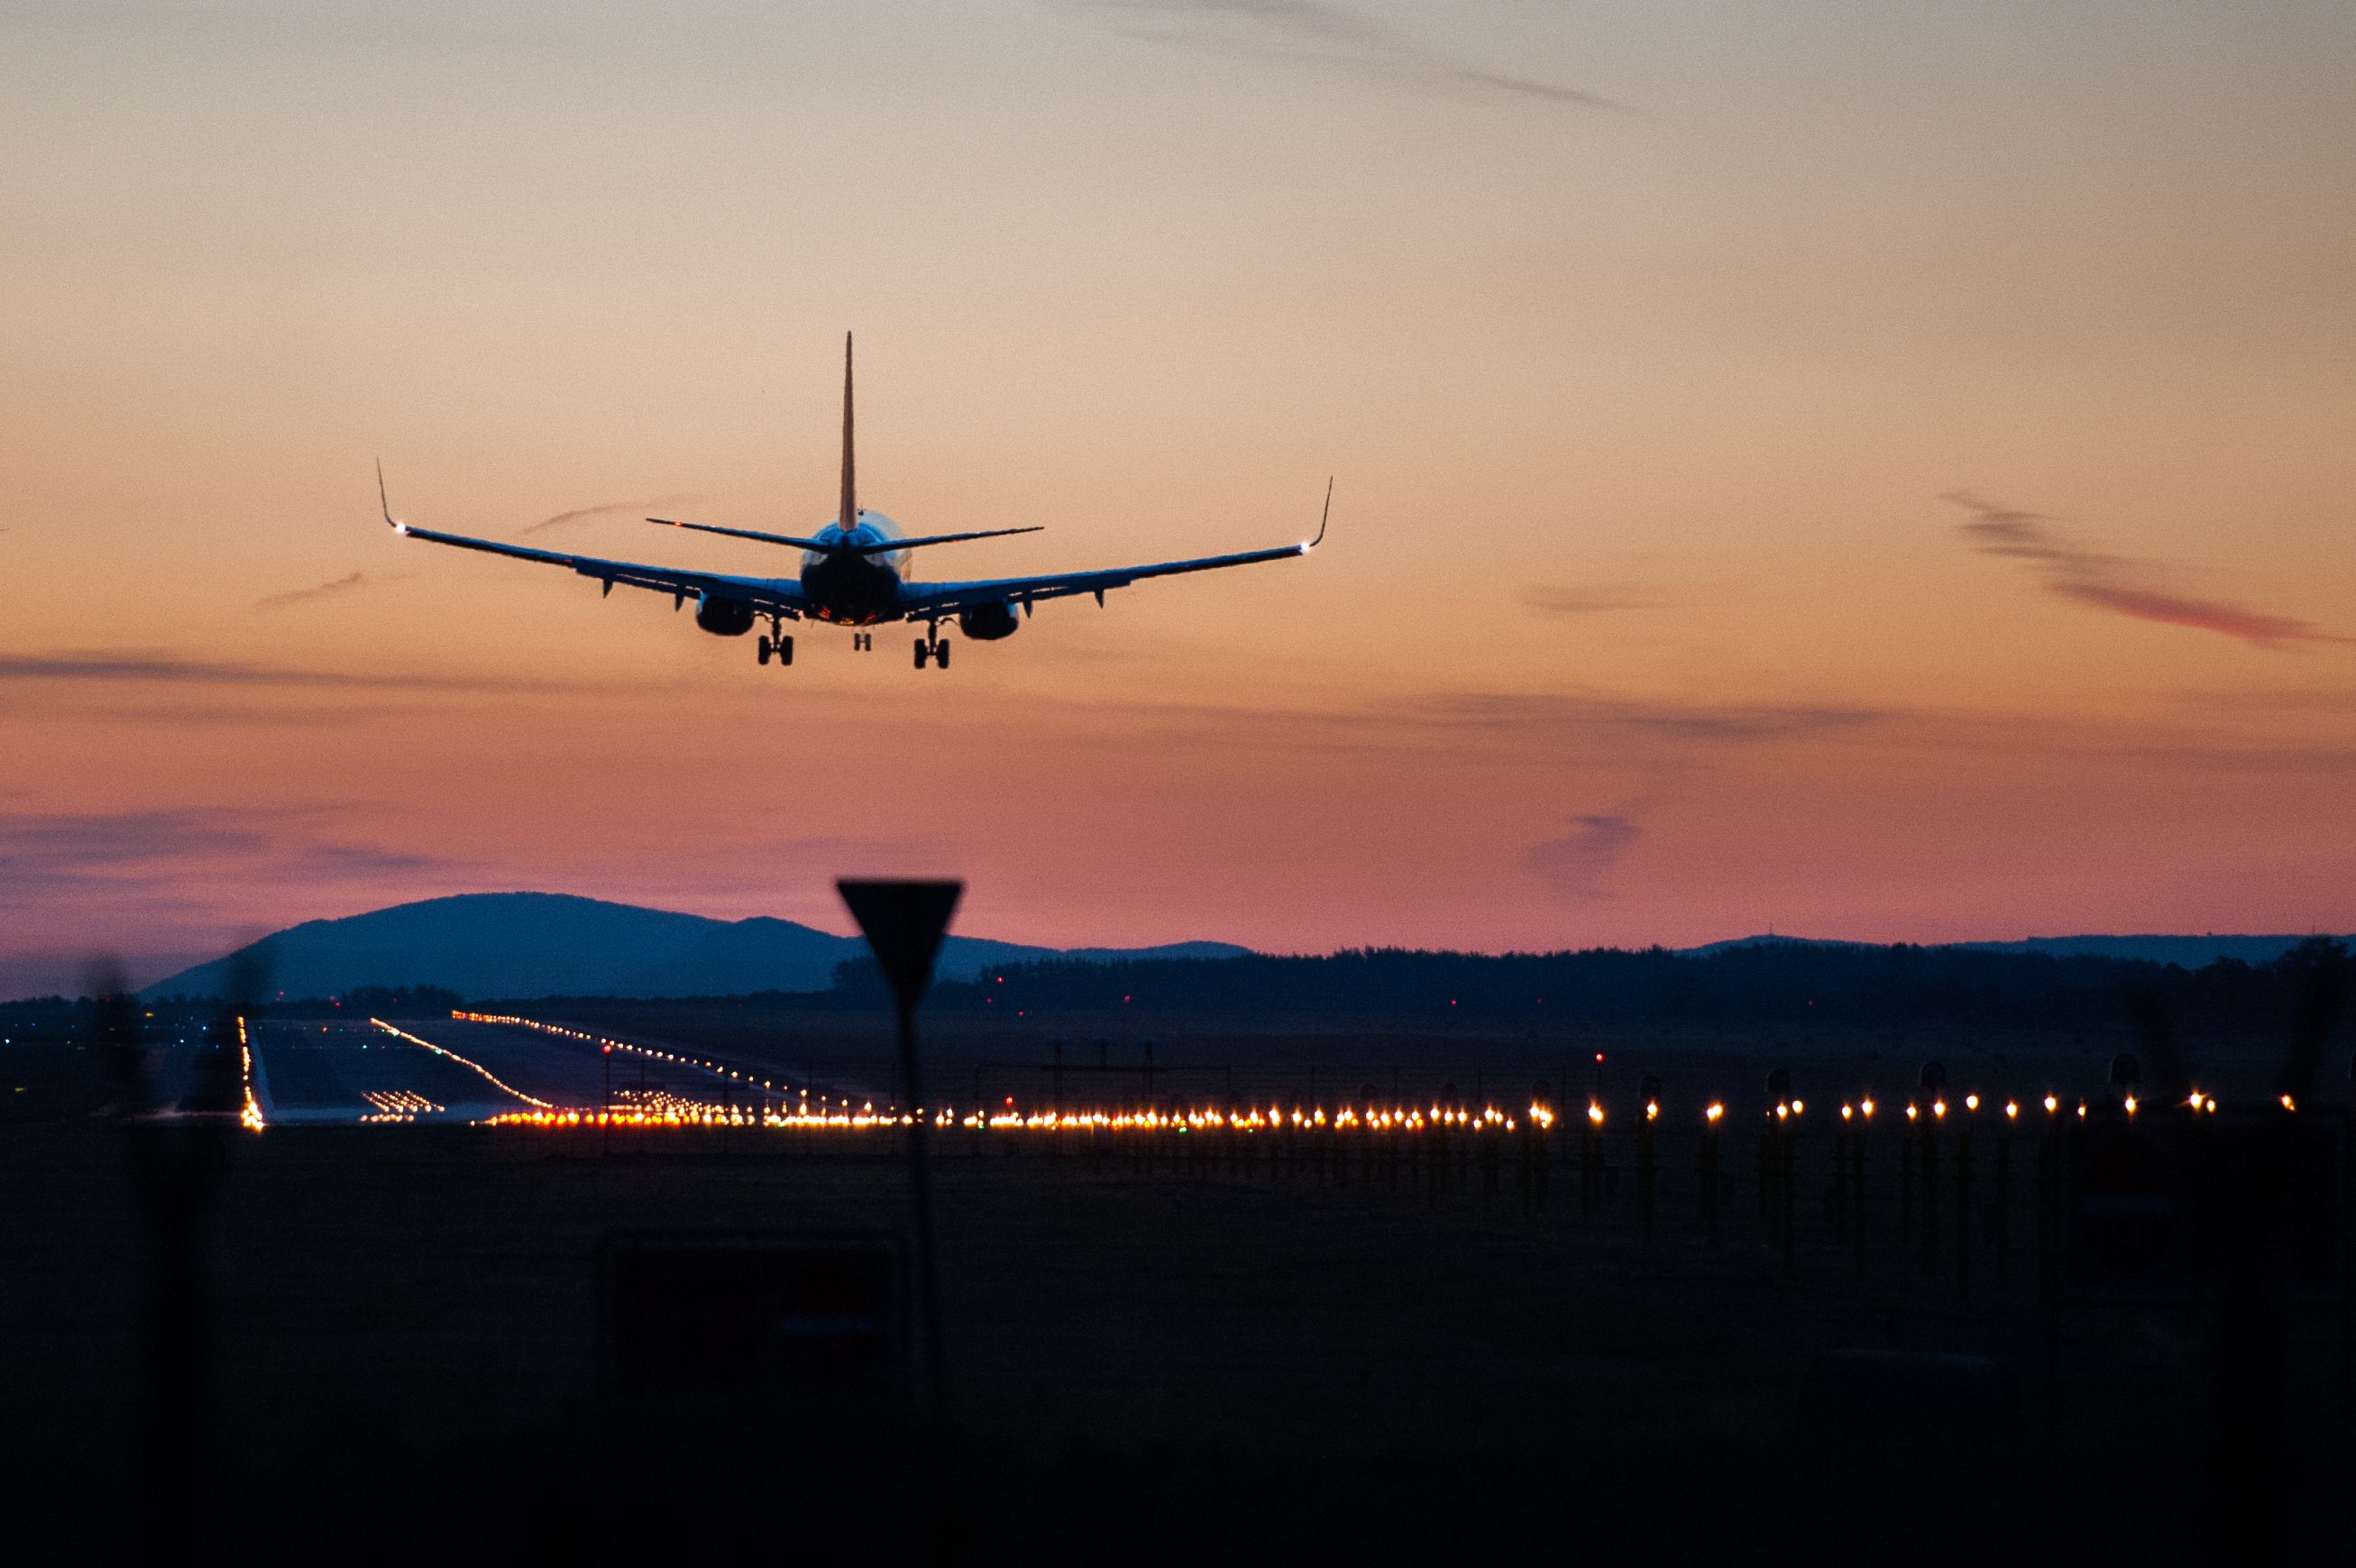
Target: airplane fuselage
{"points": [[850, 588]]}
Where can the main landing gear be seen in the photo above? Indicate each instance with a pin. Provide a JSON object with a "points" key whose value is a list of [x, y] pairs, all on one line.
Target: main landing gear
{"points": [[936, 649], [780, 648], [862, 642]]}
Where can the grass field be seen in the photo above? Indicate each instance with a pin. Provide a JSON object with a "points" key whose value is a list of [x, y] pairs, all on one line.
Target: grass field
{"points": [[420, 1297]]}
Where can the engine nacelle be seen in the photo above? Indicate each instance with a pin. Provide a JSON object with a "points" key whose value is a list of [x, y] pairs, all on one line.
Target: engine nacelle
{"points": [[987, 623], [723, 617]]}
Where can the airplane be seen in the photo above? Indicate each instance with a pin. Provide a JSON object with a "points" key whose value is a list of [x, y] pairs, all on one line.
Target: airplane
{"points": [[853, 574]]}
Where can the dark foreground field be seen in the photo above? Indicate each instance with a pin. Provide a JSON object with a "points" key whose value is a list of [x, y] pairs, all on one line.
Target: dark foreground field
{"points": [[401, 1360]]}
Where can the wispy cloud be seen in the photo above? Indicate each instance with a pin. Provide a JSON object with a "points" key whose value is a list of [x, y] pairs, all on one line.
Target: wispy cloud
{"points": [[2119, 583], [130, 667], [320, 591], [45, 853], [582, 513], [1719, 723], [1574, 865], [1318, 33], [1594, 599]]}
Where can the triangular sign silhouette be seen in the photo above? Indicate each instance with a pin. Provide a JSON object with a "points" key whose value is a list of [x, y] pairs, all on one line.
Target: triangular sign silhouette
{"points": [[904, 923]]}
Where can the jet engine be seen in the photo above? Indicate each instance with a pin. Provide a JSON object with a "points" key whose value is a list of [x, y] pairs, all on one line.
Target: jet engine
{"points": [[723, 617], [987, 623]]}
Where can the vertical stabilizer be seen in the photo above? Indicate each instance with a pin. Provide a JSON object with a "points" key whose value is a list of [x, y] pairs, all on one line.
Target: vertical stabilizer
{"points": [[850, 518]]}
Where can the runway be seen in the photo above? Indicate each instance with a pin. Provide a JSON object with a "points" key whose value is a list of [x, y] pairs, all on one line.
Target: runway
{"points": [[364, 1070]]}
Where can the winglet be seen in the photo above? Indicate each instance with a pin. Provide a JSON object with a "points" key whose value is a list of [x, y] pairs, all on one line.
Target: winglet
{"points": [[383, 505], [1321, 517]]}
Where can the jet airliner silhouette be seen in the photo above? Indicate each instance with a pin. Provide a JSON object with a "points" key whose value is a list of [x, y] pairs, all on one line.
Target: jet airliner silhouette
{"points": [[853, 574]]}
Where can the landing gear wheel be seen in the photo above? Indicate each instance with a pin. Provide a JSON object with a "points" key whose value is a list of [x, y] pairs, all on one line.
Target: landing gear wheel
{"points": [[941, 654], [924, 650], [762, 651], [785, 651]]}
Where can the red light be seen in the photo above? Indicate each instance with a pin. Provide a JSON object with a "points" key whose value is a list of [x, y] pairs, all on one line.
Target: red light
{"points": [[1599, 1056]]}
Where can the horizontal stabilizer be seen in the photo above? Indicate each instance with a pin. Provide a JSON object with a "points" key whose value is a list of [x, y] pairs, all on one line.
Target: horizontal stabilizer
{"points": [[785, 539], [877, 547], [949, 538]]}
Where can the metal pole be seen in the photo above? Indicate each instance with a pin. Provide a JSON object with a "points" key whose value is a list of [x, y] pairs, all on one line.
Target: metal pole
{"points": [[928, 1305]]}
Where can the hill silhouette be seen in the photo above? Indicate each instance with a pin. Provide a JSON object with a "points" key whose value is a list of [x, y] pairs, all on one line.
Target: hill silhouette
{"points": [[541, 944]]}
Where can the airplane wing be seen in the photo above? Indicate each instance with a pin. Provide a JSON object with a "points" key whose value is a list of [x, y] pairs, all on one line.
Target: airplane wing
{"points": [[778, 595], [920, 600]]}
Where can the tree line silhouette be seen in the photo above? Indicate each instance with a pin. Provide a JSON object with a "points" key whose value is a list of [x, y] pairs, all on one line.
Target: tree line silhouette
{"points": [[1789, 984], [1773, 984]]}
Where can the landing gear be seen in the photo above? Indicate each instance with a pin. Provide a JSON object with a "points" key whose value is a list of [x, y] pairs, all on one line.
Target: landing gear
{"points": [[923, 651], [935, 650], [862, 642], [777, 645]]}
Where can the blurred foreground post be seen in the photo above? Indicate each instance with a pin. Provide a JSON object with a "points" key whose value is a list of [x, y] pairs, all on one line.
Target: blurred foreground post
{"points": [[177, 1145], [904, 923]]}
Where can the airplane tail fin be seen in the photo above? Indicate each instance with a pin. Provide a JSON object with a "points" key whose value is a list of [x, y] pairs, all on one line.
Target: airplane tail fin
{"points": [[850, 518]]}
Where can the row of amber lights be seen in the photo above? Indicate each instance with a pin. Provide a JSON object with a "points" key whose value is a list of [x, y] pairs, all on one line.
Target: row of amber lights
{"points": [[399, 1105], [250, 1116], [686, 1113], [488, 1076], [676, 1059], [676, 1112], [1251, 1120]]}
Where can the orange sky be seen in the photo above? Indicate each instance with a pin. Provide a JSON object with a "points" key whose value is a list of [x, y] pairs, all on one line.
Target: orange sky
{"points": [[1882, 475]]}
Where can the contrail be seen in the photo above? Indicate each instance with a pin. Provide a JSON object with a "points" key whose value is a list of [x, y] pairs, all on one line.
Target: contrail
{"points": [[1325, 34], [2108, 582], [320, 591], [577, 513]]}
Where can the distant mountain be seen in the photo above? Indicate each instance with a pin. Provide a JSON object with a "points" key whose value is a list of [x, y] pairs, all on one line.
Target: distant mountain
{"points": [[549, 944], [1769, 940]]}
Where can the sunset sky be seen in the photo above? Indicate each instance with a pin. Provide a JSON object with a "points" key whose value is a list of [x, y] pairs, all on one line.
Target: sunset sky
{"points": [[1872, 471]]}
